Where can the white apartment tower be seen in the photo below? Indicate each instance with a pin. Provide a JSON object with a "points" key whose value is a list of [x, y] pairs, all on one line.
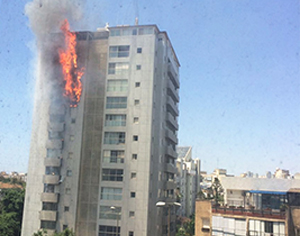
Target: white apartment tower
{"points": [[100, 168]]}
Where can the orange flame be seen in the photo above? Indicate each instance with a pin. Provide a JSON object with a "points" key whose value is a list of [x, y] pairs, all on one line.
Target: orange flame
{"points": [[68, 60]]}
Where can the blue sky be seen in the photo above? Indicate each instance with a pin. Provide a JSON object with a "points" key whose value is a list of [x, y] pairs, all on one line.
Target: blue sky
{"points": [[240, 77]]}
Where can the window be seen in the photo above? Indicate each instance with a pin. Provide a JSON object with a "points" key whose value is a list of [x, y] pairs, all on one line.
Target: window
{"points": [[132, 194], [131, 214], [115, 120], [116, 102], [138, 67], [139, 50], [65, 227], [118, 68], [55, 135], [49, 188], [114, 137], [66, 208], [130, 233], [134, 32], [111, 214], [50, 170], [135, 138], [268, 227], [108, 193], [53, 153], [137, 84], [136, 102], [49, 206], [134, 156], [70, 155], [68, 191], [119, 51], [72, 137], [105, 230], [69, 173], [73, 121], [120, 85], [133, 175], [112, 174], [113, 156], [45, 224], [135, 120], [115, 32]]}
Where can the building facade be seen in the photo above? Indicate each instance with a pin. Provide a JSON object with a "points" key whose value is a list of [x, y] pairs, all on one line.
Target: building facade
{"points": [[100, 168], [188, 180]]}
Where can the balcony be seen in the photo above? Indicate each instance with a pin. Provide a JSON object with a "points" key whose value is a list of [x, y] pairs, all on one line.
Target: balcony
{"points": [[171, 152], [49, 197], [173, 76], [55, 162], [56, 127], [54, 144], [51, 179], [172, 91], [173, 137], [48, 215], [263, 213], [172, 107], [172, 121]]}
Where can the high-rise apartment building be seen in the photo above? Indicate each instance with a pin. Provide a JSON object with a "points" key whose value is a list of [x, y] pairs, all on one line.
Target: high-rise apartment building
{"points": [[100, 167]]}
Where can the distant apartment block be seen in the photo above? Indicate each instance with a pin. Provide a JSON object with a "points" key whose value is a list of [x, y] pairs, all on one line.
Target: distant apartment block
{"points": [[187, 179]]}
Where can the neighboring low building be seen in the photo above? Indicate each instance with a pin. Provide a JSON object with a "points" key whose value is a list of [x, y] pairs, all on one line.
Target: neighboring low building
{"points": [[188, 180], [212, 220]]}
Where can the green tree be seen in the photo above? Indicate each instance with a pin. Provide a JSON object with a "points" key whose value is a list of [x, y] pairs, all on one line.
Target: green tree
{"points": [[11, 211], [217, 190]]}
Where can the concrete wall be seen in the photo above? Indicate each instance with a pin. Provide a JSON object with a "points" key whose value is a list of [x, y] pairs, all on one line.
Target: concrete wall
{"points": [[203, 217]]}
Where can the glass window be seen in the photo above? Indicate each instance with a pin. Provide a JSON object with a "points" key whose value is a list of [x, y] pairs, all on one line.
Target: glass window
{"points": [[131, 214], [49, 206], [135, 120], [69, 173], [50, 170], [115, 120], [136, 102], [116, 102], [45, 224], [114, 137], [139, 50], [66, 208], [132, 194], [138, 67], [115, 32], [137, 84], [134, 32], [49, 188], [118, 68], [134, 156], [53, 153], [117, 85], [133, 175], [112, 174], [105, 230], [108, 193], [112, 214], [119, 51], [113, 156], [130, 233], [135, 138]]}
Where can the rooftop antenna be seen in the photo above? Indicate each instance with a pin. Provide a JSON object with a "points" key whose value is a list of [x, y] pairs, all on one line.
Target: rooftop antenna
{"points": [[136, 21]]}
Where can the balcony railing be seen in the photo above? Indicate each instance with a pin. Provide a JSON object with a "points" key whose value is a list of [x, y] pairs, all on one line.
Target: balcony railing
{"points": [[265, 213]]}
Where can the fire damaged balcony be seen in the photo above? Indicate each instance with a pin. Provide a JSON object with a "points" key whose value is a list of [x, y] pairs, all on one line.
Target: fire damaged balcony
{"points": [[54, 162], [173, 76], [48, 215], [49, 197]]}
